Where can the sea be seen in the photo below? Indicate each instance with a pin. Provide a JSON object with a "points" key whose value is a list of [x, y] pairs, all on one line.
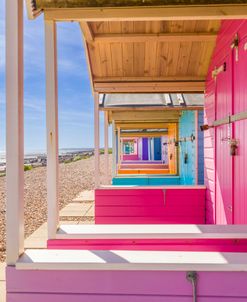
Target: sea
{"points": [[62, 151]]}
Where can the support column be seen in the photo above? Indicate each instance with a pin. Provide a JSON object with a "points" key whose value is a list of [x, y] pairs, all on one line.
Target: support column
{"points": [[52, 127], [106, 147], [96, 140], [196, 147], [14, 129], [114, 155], [119, 147]]}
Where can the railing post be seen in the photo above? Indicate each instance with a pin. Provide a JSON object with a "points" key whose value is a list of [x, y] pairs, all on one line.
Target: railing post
{"points": [[14, 129]]}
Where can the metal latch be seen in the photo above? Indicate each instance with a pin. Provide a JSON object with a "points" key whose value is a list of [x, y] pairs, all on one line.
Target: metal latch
{"points": [[235, 45], [192, 277]]}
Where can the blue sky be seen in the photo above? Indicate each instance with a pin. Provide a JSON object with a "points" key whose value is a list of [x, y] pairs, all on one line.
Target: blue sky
{"points": [[74, 91]]}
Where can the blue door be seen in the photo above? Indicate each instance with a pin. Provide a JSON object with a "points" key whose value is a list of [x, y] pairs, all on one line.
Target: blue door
{"points": [[157, 148], [144, 148]]}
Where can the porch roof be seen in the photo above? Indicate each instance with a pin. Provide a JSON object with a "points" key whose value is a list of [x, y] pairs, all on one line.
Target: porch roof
{"points": [[151, 46], [115, 101]]}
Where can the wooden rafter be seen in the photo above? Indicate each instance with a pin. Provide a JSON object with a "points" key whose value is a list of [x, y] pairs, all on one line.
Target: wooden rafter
{"points": [[157, 115], [87, 31], [144, 125], [144, 134], [167, 37], [189, 78], [150, 87]]}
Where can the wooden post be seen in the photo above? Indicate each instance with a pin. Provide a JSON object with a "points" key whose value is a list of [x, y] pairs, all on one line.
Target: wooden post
{"points": [[114, 155], [119, 147], [52, 127], [106, 147], [14, 129], [96, 140]]}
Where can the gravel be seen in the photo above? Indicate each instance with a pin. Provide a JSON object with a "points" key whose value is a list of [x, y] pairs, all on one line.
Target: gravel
{"points": [[73, 178]]}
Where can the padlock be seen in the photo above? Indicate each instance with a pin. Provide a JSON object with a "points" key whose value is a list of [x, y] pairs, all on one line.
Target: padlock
{"points": [[233, 147]]}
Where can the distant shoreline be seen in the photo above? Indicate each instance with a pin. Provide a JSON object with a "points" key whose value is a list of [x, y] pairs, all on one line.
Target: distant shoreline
{"points": [[39, 159]]}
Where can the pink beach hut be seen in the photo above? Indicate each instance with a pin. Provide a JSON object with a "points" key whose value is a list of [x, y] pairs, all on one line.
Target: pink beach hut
{"points": [[149, 243]]}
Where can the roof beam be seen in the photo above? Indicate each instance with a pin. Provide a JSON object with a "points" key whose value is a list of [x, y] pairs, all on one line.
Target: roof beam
{"points": [[144, 125], [166, 37], [144, 134], [172, 12], [148, 108], [122, 3], [189, 78], [150, 87], [158, 115]]}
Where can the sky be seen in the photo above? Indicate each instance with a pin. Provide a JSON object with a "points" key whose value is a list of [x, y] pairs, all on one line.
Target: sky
{"points": [[75, 100]]}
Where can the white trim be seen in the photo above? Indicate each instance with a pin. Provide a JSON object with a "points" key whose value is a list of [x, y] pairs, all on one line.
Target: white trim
{"points": [[52, 127], [96, 140], [37, 259], [106, 138], [119, 146], [151, 231], [14, 130], [114, 156]]}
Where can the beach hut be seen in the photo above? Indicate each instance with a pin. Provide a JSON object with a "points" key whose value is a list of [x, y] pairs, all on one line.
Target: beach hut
{"points": [[173, 119], [150, 243]]}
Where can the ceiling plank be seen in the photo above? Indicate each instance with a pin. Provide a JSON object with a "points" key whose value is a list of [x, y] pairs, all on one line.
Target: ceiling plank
{"points": [[150, 87], [175, 12], [143, 38]]}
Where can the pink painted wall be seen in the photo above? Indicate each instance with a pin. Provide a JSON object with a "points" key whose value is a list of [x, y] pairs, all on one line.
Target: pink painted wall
{"points": [[130, 157], [122, 286], [224, 174], [202, 245], [140, 206]]}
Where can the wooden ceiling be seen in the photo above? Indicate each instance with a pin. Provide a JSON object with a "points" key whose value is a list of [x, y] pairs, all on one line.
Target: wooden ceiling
{"points": [[149, 56], [136, 46]]}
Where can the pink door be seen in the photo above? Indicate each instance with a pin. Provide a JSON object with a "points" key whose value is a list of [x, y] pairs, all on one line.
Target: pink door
{"points": [[240, 160], [224, 206]]}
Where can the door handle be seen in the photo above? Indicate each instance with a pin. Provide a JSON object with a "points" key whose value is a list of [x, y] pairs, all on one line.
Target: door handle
{"points": [[230, 208]]}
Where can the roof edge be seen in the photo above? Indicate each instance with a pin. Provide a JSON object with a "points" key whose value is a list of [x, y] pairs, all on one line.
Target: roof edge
{"points": [[32, 11]]}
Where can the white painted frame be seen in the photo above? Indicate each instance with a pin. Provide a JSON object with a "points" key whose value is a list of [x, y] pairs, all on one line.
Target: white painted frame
{"points": [[96, 140], [114, 155], [52, 128], [106, 145], [14, 129]]}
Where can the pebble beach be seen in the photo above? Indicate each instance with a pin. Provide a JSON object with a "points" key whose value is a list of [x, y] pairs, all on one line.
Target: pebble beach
{"points": [[74, 177]]}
